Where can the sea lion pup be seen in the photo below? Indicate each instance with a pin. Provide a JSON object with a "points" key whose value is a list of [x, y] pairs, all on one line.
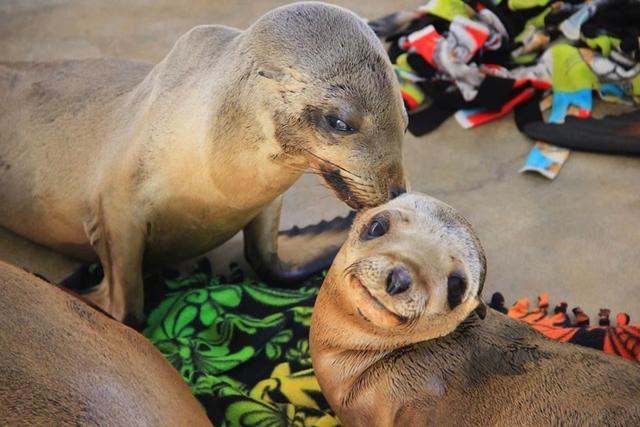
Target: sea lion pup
{"points": [[64, 363], [398, 336], [132, 162]]}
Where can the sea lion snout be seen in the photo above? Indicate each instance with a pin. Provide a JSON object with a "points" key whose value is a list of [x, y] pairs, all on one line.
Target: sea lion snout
{"points": [[361, 193], [384, 291], [398, 281]]}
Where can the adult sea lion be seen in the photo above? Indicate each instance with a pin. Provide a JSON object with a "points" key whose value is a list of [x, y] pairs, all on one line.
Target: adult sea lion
{"points": [[399, 336], [130, 162], [64, 363]]}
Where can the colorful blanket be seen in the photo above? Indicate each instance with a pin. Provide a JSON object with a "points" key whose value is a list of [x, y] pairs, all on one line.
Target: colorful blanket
{"points": [[242, 347], [621, 339]]}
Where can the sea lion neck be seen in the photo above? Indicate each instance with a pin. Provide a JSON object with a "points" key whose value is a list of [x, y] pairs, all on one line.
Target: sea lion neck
{"points": [[359, 379], [215, 115]]}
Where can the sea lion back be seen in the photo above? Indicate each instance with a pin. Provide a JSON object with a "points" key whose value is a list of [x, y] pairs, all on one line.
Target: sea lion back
{"points": [[64, 363], [54, 118]]}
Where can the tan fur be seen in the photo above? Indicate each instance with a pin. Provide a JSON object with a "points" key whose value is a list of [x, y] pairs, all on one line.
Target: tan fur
{"points": [[65, 363], [442, 366], [124, 162]]}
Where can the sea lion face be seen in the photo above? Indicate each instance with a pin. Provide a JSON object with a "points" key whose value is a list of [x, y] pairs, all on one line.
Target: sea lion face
{"points": [[357, 147], [412, 264], [334, 100]]}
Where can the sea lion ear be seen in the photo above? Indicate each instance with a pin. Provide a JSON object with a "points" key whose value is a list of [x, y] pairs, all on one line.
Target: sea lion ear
{"points": [[481, 309], [288, 78], [276, 75]]}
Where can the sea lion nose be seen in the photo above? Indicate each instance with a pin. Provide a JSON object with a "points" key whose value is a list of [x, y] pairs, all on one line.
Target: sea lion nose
{"points": [[398, 281], [395, 191]]}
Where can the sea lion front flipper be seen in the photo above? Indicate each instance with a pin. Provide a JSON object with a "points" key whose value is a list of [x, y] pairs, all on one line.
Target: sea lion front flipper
{"points": [[119, 245], [286, 257]]}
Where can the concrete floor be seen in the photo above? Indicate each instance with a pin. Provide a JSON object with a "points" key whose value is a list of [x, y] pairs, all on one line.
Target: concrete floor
{"points": [[577, 237]]}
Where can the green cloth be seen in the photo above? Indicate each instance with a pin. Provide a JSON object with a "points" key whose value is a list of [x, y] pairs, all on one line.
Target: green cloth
{"points": [[604, 43], [242, 347], [526, 4], [570, 72], [447, 9]]}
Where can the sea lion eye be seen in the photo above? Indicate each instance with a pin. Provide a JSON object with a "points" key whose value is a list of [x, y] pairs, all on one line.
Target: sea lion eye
{"points": [[456, 286], [338, 124], [377, 227]]}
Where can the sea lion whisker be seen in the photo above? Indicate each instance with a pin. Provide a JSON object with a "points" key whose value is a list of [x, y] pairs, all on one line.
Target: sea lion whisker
{"points": [[350, 269], [358, 183], [331, 163], [349, 192], [347, 179]]}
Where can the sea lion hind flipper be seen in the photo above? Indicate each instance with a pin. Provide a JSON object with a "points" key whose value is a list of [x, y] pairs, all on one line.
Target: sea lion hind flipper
{"points": [[338, 224], [287, 257], [310, 249]]}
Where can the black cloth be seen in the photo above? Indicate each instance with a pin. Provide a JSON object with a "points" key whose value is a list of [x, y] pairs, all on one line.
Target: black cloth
{"points": [[612, 134]]}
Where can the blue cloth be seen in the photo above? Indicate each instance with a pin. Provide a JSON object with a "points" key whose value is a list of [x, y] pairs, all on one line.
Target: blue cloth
{"points": [[563, 100]]}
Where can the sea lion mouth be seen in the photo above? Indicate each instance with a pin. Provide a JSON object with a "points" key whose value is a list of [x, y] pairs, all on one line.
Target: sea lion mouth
{"points": [[362, 289], [341, 188]]}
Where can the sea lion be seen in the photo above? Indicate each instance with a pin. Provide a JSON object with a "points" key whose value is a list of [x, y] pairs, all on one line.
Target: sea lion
{"points": [[399, 336], [131, 162], [64, 363]]}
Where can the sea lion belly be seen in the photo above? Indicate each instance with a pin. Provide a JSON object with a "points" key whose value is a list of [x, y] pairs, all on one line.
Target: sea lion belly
{"points": [[185, 228]]}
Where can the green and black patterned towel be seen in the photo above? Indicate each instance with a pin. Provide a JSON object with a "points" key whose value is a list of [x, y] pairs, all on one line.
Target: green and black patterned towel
{"points": [[241, 346]]}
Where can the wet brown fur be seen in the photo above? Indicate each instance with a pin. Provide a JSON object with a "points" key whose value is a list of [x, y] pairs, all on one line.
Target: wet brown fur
{"points": [[65, 363]]}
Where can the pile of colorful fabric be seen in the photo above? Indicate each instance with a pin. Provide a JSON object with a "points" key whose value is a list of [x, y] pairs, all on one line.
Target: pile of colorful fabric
{"points": [[478, 59], [243, 346]]}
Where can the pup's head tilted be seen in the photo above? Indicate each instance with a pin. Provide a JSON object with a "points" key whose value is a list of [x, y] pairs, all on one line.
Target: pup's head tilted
{"points": [[411, 270], [333, 99]]}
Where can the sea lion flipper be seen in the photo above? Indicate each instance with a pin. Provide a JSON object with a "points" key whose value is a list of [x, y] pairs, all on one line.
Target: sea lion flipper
{"points": [[311, 249], [119, 244], [283, 257]]}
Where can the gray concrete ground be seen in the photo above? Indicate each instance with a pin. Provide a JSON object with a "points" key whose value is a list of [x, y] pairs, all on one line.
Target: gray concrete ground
{"points": [[577, 238]]}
